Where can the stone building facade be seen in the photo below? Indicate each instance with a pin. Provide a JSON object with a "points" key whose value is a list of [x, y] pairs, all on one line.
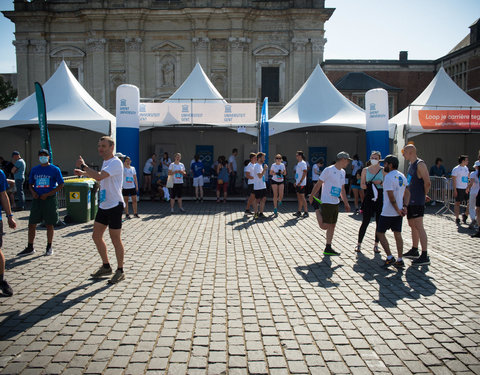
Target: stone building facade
{"points": [[248, 48]]}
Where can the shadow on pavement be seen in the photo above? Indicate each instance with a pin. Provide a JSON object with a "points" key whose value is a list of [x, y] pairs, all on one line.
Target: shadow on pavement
{"points": [[319, 272], [55, 306], [17, 261], [291, 222]]}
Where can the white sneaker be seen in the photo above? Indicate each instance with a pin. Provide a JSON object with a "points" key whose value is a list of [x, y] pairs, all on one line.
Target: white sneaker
{"points": [[49, 252], [171, 210], [181, 209]]}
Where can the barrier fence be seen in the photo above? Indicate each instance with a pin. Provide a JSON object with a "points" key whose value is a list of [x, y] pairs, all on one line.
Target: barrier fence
{"points": [[441, 191], [61, 198]]}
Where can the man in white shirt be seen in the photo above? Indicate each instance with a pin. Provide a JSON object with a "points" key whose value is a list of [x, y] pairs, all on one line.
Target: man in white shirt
{"points": [[460, 186], [250, 177], [395, 200], [317, 170], [232, 161], [110, 209], [332, 179], [300, 184], [259, 186]]}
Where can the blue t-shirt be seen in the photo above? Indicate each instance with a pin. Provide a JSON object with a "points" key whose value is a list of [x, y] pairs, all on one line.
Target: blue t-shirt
{"points": [[45, 179], [20, 173], [3, 186], [197, 169]]}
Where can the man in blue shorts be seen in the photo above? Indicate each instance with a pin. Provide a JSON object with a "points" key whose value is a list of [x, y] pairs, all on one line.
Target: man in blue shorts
{"points": [[4, 287], [110, 209], [44, 182]]}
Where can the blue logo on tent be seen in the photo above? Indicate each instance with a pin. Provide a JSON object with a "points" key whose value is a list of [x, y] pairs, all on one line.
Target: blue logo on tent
{"points": [[185, 108], [123, 102], [228, 109], [142, 108], [373, 107]]}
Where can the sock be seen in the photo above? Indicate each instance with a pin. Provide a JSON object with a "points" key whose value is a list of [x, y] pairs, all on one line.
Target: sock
{"points": [[120, 269], [49, 245], [415, 248], [30, 246], [1, 277], [328, 246], [106, 265], [389, 257]]}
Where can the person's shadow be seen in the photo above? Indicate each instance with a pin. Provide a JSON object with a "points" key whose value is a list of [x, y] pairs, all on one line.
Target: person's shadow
{"points": [[16, 323], [419, 281], [319, 272]]}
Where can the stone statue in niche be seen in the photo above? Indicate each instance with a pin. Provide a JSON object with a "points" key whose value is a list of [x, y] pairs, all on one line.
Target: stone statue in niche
{"points": [[168, 74]]}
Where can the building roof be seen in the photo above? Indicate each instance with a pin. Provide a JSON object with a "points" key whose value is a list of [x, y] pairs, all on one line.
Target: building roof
{"points": [[465, 42], [362, 82]]}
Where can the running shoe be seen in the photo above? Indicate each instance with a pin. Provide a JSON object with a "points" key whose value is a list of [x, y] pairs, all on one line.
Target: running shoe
{"points": [[48, 251], [356, 211], [119, 276], [171, 211], [248, 212], [375, 249], [358, 249], [280, 203], [305, 214], [411, 254], [472, 224], [330, 252], [389, 262], [261, 216], [275, 211], [476, 235], [255, 216], [399, 264], [457, 221], [297, 214], [127, 216], [27, 251], [422, 260], [102, 271], [464, 218], [6, 289], [181, 209], [136, 215]]}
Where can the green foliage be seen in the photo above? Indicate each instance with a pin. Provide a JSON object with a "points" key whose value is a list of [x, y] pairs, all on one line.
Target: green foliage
{"points": [[8, 94]]}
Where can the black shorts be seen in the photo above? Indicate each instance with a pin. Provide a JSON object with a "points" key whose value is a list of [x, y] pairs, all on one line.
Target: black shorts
{"points": [[277, 182], [300, 189], [1, 233], [415, 211], [389, 222], [176, 191], [129, 192], [477, 202], [259, 194], [250, 189], [329, 213], [111, 217], [147, 174], [461, 195]]}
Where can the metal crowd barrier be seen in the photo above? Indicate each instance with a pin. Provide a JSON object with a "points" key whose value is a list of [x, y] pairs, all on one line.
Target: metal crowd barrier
{"points": [[61, 199], [441, 191]]}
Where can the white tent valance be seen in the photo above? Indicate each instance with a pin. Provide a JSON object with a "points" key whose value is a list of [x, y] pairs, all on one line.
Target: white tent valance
{"points": [[67, 103]]}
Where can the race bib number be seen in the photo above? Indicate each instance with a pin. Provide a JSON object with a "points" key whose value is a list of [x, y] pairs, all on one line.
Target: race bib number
{"points": [[129, 180], [335, 191], [409, 178], [43, 182], [465, 179], [102, 196], [178, 175]]}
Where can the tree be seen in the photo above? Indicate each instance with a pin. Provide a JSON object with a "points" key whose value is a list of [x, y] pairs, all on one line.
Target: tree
{"points": [[8, 94]]}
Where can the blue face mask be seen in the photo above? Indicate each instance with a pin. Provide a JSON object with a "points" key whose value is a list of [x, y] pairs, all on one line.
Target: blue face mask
{"points": [[43, 159]]}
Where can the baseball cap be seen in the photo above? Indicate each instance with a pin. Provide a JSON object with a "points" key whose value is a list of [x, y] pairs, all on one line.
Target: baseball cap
{"points": [[477, 163], [343, 155], [43, 151], [119, 155], [14, 153], [392, 159]]}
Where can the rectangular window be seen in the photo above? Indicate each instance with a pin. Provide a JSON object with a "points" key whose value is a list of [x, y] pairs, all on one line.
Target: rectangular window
{"points": [[271, 83]]}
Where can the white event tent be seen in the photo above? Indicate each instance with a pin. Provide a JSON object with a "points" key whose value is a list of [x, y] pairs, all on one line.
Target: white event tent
{"points": [[318, 103], [67, 103]]}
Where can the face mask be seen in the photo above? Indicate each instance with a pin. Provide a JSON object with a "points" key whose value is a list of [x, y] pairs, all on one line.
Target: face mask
{"points": [[373, 161], [43, 159]]}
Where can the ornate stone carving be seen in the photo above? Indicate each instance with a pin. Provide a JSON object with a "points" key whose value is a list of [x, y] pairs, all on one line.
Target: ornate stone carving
{"points": [[116, 45], [166, 71], [40, 45], [133, 44], [200, 43], [318, 45], [238, 43], [270, 50], [167, 46], [96, 45], [299, 44], [21, 46], [219, 45]]}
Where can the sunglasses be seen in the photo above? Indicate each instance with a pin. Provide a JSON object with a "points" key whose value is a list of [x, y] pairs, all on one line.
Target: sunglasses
{"points": [[278, 158]]}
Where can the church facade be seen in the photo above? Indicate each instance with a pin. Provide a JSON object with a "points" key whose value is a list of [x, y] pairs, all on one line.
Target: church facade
{"points": [[248, 48]]}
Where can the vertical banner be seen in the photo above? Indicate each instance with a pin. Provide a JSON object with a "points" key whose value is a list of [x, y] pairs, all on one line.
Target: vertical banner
{"points": [[376, 112], [314, 155], [42, 120], [264, 133], [205, 153], [128, 123]]}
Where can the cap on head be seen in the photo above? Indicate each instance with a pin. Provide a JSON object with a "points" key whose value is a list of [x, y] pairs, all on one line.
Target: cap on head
{"points": [[477, 163], [119, 155], [391, 159], [43, 151], [15, 153], [343, 155]]}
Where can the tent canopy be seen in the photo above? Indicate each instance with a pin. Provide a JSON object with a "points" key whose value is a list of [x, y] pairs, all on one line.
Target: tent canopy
{"points": [[318, 103], [196, 87], [441, 94], [67, 102]]}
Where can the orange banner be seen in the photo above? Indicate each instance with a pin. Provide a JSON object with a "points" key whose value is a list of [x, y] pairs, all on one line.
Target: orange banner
{"points": [[449, 119]]}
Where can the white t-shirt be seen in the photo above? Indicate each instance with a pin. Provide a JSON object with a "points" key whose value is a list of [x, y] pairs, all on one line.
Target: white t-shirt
{"points": [[356, 165], [276, 169], [128, 180], [461, 174], [177, 177], [249, 169], [475, 184], [110, 194], [233, 160], [258, 182], [315, 172], [333, 180], [394, 181], [148, 168], [302, 166]]}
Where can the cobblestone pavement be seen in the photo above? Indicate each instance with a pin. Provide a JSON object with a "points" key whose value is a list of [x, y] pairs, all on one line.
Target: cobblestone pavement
{"points": [[213, 292]]}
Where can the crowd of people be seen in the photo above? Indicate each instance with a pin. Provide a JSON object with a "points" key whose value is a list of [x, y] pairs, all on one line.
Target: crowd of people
{"points": [[380, 192]]}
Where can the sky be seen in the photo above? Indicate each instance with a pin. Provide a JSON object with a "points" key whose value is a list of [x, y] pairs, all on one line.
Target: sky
{"points": [[358, 29]]}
